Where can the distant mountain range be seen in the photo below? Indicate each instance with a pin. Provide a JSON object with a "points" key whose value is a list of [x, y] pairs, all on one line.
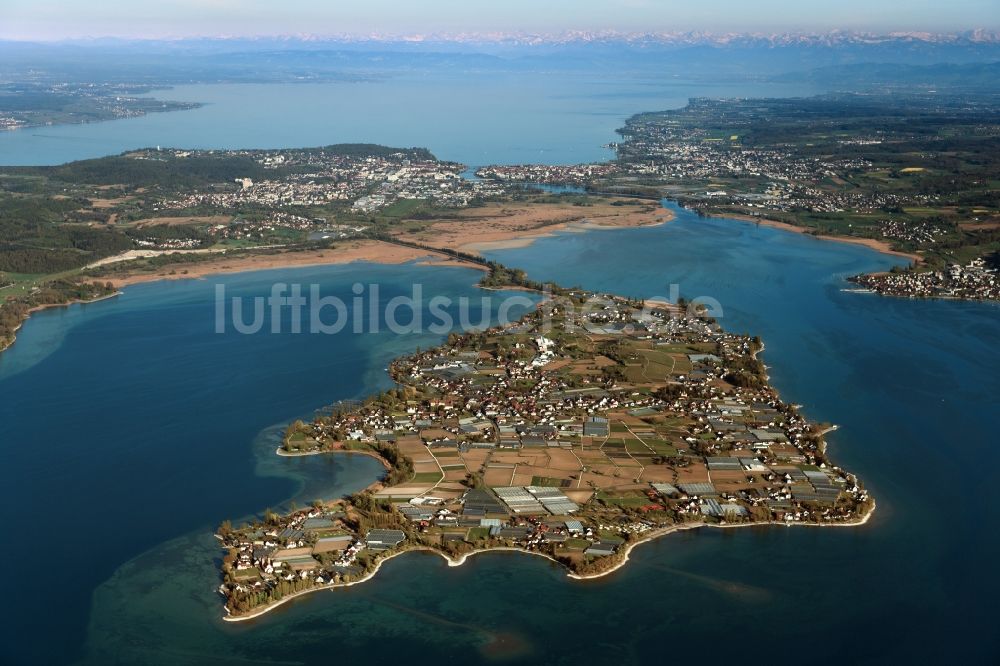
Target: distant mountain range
{"points": [[970, 77], [841, 59], [486, 39]]}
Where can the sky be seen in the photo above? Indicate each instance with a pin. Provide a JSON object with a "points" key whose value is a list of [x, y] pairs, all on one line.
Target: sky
{"points": [[70, 19]]}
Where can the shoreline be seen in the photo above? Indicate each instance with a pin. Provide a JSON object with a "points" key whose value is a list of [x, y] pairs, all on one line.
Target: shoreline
{"points": [[319, 452], [464, 557], [871, 243], [683, 527], [626, 549], [358, 251], [373, 486], [361, 251], [388, 253], [515, 239], [49, 306]]}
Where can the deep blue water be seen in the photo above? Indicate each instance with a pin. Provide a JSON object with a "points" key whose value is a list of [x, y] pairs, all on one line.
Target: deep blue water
{"points": [[130, 421], [140, 429], [913, 386], [473, 117]]}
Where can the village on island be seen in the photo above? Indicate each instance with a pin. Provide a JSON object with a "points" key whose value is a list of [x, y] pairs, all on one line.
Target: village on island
{"points": [[588, 426]]}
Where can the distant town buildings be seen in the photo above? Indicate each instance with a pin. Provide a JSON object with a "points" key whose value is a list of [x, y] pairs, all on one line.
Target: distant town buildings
{"points": [[974, 280]]}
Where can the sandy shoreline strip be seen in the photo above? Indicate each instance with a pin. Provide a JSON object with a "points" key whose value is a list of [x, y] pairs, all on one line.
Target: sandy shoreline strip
{"points": [[373, 251], [510, 240], [872, 243], [478, 239], [483, 234], [360, 251], [511, 224]]}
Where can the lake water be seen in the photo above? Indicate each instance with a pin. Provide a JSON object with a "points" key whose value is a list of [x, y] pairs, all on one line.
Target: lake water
{"points": [[132, 429], [475, 118], [130, 421]]}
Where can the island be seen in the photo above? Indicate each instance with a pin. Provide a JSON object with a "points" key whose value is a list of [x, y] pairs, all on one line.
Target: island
{"points": [[591, 425]]}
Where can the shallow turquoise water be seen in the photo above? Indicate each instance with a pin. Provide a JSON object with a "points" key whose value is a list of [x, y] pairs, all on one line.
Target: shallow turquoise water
{"points": [[472, 117], [164, 429]]}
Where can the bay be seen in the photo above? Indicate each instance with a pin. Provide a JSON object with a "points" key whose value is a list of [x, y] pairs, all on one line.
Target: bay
{"points": [[911, 384], [472, 117], [130, 429], [131, 421]]}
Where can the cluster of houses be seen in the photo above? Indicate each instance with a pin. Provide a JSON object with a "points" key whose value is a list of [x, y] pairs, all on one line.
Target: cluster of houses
{"points": [[318, 227], [919, 233], [317, 547], [314, 545], [485, 401], [168, 243], [524, 399], [777, 177], [532, 518], [759, 452], [574, 174], [661, 147], [974, 280], [11, 123], [368, 182], [792, 494], [789, 197]]}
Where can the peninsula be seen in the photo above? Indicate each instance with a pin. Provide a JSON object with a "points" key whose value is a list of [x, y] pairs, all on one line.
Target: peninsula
{"points": [[28, 104], [908, 172], [592, 424], [79, 230]]}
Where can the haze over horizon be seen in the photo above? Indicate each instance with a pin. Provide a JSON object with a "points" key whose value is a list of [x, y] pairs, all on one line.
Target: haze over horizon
{"points": [[54, 20]]}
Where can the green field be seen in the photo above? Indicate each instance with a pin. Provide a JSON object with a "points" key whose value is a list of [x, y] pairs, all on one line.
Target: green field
{"points": [[577, 544], [662, 447], [477, 533]]}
